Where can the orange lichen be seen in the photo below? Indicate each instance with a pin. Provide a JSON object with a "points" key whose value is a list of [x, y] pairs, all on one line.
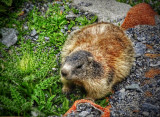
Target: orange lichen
{"points": [[148, 94], [152, 73], [105, 110], [145, 82], [135, 111], [107, 99], [140, 14], [152, 55], [21, 13], [149, 46]]}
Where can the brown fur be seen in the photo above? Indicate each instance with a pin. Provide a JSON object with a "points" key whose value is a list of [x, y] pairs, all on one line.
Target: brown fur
{"points": [[110, 47]]}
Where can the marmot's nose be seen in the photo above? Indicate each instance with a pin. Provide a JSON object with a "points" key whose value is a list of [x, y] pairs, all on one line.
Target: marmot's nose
{"points": [[64, 72]]}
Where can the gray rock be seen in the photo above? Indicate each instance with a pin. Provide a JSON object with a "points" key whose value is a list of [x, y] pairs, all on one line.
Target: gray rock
{"points": [[58, 2], [134, 87], [62, 31], [106, 10], [62, 8], [43, 9], [45, 5], [141, 38], [140, 49], [36, 37], [86, 4], [71, 16], [122, 93], [145, 113], [54, 69], [46, 38], [26, 10], [83, 114], [86, 13], [66, 28], [9, 36], [158, 82], [156, 64], [25, 27], [33, 33], [34, 114], [75, 28]]}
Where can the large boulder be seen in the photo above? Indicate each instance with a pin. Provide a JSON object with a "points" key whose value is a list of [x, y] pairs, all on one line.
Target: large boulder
{"points": [[106, 10]]}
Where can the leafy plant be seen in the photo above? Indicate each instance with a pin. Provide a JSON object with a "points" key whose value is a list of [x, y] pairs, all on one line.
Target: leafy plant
{"points": [[84, 21], [28, 83]]}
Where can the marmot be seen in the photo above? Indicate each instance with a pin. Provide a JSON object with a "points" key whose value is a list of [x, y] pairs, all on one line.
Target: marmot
{"points": [[96, 57]]}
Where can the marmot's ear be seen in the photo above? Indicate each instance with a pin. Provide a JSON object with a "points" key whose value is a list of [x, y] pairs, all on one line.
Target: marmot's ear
{"points": [[90, 59]]}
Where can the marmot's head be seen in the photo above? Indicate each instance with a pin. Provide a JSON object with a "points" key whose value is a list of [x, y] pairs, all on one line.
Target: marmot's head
{"points": [[80, 65]]}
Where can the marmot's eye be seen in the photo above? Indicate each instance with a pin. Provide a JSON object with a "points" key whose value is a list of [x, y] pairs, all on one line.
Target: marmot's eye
{"points": [[79, 66]]}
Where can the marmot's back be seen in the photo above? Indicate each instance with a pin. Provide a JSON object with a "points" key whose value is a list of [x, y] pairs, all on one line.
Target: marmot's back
{"points": [[109, 47]]}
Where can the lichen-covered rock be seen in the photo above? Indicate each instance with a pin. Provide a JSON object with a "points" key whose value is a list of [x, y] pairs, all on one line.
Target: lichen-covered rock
{"points": [[141, 14]]}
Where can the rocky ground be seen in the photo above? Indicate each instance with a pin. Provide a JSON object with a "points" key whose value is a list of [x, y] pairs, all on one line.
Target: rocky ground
{"points": [[139, 94]]}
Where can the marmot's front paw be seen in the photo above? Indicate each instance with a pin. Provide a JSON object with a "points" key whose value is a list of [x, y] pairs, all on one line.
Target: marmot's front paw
{"points": [[66, 90]]}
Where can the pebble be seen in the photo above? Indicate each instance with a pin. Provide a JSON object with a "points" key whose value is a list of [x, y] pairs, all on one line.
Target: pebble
{"points": [[145, 113], [158, 82], [83, 114], [155, 64], [45, 5], [140, 49], [71, 16], [134, 87], [122, 93], [34, 114], [62, 31], [62, 8], [66, 28], [33, 33], [58, 2], [36, 36], [75, 28], [46, 38], [25, 27], [86, 4], [54, 69]]}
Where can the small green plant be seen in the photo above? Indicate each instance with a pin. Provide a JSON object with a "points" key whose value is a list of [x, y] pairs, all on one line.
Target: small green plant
{"points": [[29, 72], [76, 11], [84, 21]]}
